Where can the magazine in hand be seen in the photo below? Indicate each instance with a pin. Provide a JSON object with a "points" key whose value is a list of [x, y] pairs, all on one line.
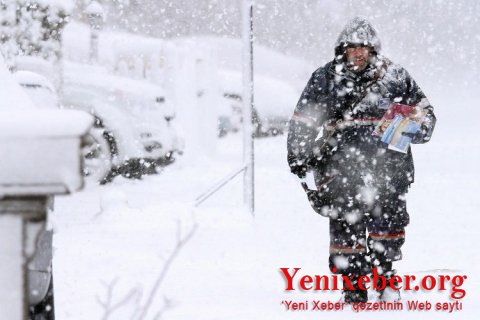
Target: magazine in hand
{"points": [[398, 126]]}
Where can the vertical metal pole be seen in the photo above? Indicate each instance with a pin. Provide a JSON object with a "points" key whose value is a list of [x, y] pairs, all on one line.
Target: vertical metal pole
{"points": [[248, 104]]}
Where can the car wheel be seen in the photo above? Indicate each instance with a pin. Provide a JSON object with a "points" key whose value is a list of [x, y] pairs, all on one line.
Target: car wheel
{"points": [[166, 160], [98, 154]]}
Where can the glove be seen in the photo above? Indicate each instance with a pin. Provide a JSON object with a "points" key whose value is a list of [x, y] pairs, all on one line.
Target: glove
{"points": [[299, 170], [411, 135], [417, 136], [320, 200], [408, 134]]}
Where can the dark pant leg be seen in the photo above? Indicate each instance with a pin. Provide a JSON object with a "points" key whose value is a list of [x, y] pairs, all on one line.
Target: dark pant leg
{"points": [[348, 251], [386, 227]]}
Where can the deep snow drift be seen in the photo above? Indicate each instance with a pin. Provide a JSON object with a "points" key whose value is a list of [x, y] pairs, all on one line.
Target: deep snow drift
{"points": [[120, 235]]}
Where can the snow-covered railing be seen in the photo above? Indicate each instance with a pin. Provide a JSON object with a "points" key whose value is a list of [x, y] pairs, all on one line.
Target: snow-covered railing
{"points": [[217, 186]]}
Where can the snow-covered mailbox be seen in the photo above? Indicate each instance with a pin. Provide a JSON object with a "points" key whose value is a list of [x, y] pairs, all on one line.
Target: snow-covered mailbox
{"points": [[40, 156]]}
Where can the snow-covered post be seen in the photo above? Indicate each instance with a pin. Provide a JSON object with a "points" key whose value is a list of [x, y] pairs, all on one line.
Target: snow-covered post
{"points": [[12, 259], [15, 214], [95, 14], [248, 147], [41, 157]]}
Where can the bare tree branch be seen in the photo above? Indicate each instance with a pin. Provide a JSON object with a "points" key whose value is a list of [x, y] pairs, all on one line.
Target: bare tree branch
{"points": [[180, 243], [138, 306], [108, 306], [109, 286], [167, 305]]}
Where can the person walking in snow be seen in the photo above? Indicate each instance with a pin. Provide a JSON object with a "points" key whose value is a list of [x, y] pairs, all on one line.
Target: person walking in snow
{"points": [[361, 184]]}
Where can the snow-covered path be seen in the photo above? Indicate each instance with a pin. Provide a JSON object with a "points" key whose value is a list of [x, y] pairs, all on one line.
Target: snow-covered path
{"points": [[230, 268]]}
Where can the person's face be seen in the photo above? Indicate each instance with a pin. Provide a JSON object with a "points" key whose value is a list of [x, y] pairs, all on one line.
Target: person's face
{"points": [[358, 57]]}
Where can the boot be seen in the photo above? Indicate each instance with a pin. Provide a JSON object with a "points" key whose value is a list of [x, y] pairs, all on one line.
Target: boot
{"points": [[388, 294], [354, 296]]}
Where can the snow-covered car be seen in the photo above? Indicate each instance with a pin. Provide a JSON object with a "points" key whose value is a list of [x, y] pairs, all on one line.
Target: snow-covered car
{"points": [[38, 66], [42, 93], [134, 122], [274, 100], [230, 115], [38, 88]]}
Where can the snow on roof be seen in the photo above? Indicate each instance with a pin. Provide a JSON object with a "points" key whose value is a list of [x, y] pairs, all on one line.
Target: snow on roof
{"points": [[12, 95]]}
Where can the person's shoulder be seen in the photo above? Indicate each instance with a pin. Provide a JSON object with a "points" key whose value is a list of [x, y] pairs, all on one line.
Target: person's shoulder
{"points": [[321, 73], [395, 68]]}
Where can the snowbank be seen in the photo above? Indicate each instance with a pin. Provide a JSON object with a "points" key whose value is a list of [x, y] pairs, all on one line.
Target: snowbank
{"points": [[233, 260]]}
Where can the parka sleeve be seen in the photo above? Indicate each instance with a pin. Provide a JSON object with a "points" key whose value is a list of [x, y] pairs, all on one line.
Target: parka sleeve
{"points": [[415, 96], [306, 121]]}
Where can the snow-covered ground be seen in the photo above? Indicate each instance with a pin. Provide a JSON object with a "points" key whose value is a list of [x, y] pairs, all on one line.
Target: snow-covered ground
{"points": [[119, 236]]}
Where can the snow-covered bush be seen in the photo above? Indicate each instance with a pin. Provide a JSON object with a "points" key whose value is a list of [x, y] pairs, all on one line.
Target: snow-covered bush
{"points": [[33, 27]]}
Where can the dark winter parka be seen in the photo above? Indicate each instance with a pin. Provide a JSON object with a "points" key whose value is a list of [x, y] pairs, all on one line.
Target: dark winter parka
{"points": [[353, 103]]}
